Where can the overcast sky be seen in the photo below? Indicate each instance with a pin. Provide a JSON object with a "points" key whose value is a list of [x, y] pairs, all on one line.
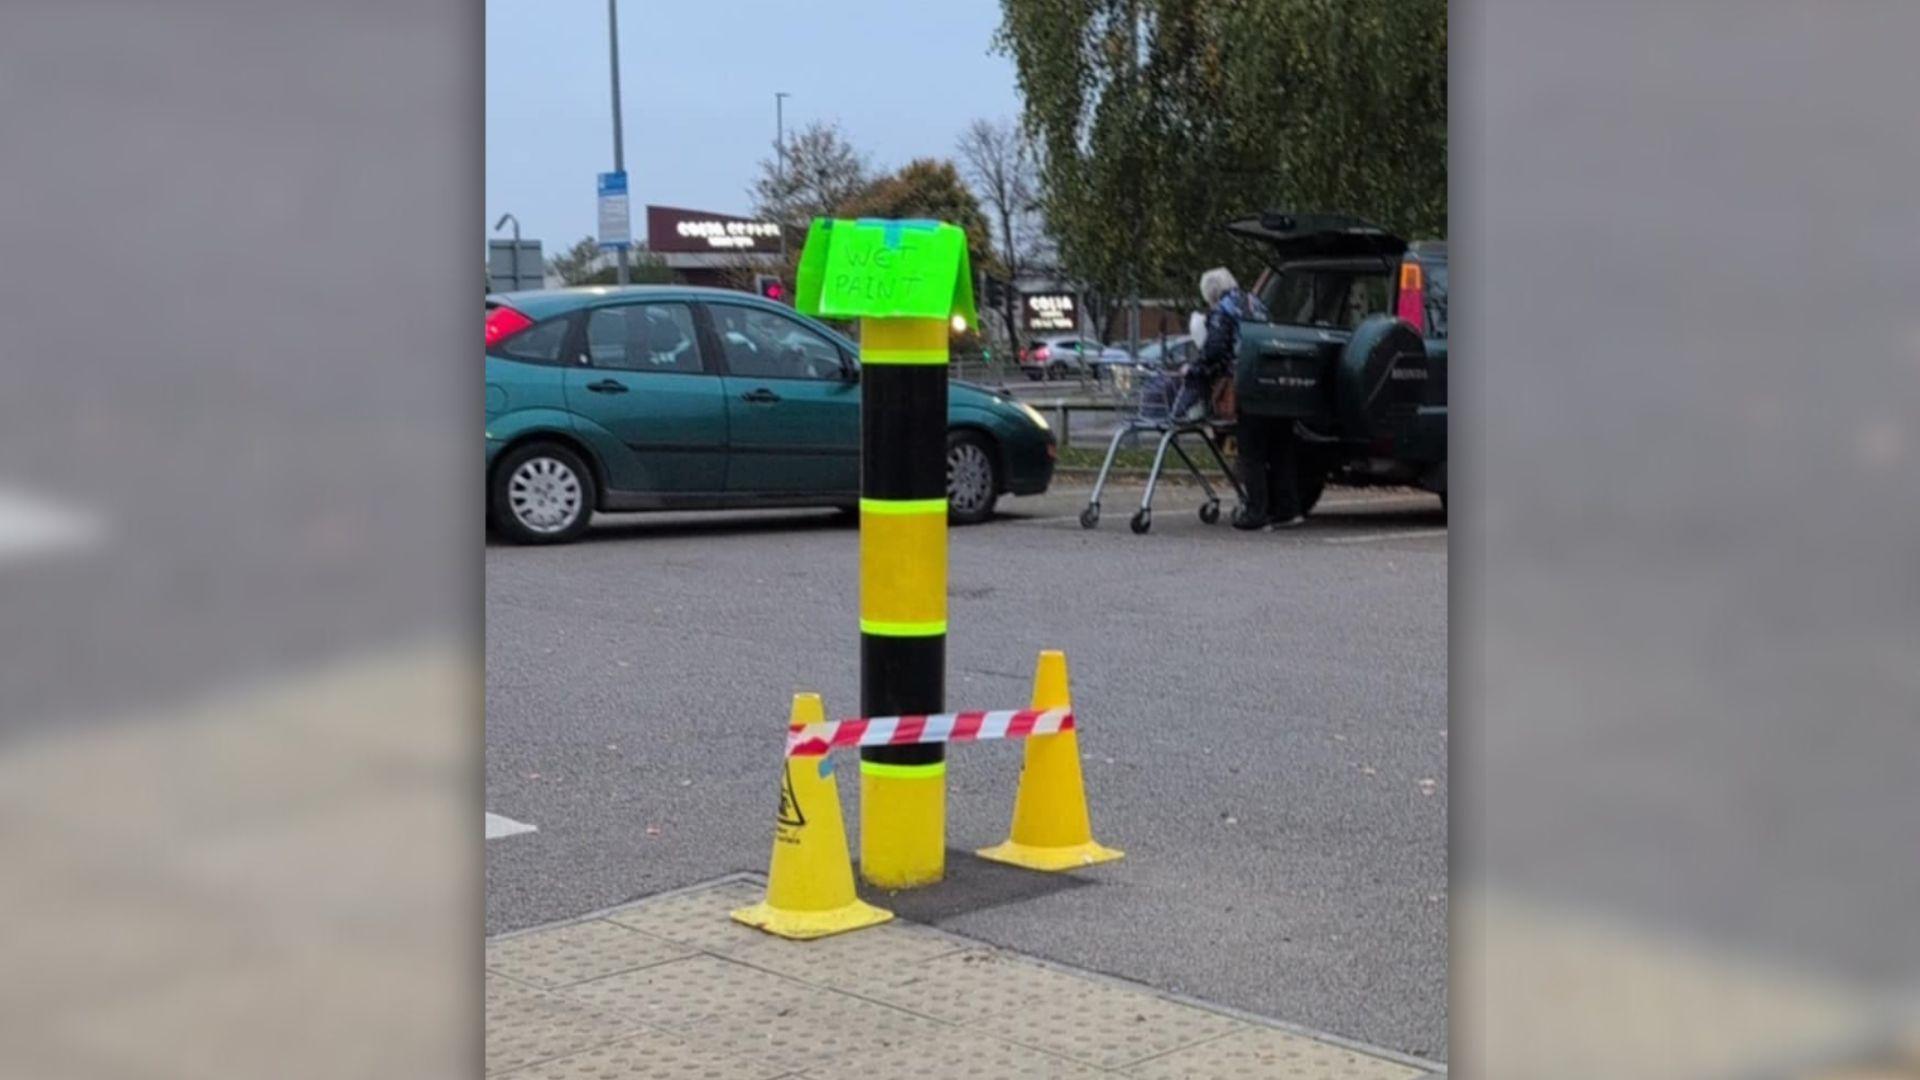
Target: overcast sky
{"points": [[697, 83]]}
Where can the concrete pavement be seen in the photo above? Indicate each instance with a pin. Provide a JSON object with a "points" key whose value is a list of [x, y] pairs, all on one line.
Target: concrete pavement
{"points": [[670, 986]]}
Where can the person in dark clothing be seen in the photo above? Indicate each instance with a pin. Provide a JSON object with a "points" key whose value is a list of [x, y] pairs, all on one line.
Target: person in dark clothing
{"points": [[1266, 454], [1267, 471], [1227, 305]]}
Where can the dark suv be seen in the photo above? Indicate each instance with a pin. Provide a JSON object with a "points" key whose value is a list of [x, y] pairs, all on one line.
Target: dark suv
{"points": [[1356, 353]]}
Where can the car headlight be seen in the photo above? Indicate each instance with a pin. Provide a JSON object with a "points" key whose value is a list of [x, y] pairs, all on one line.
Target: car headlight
{"points": [[1034, 415]]}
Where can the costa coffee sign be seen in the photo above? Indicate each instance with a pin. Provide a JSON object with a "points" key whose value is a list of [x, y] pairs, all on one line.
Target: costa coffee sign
{"points": [[1050, 311], [670, 228]]}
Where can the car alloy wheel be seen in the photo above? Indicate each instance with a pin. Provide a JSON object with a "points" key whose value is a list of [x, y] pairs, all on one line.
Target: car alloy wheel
{"points": [[969, 478], [545, 495]]}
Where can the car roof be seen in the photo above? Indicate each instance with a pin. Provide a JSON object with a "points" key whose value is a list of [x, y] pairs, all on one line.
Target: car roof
{"points": [[1297, 236], [542, 303], [539, 304]]}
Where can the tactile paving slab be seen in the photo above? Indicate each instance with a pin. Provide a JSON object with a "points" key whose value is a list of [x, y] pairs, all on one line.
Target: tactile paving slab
{"points": [[1106, 1026], [962, 987], [697, 918], [649, 1056], [954, 1055], [571, 954], [870, 958], [681, 993], [672, 987], [525, 1025], [1264, 1053], [817, 1032]]}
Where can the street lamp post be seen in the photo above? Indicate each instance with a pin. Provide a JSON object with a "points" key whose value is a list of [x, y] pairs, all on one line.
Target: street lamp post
{"points": [[619, 151], [504, 218], [780, 156]]}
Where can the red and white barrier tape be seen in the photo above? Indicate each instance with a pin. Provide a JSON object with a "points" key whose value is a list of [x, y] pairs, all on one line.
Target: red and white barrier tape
{"points": [[807, 740]]}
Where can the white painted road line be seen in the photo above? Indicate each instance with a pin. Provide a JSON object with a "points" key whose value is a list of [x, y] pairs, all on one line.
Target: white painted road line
{"points": [[498, 826], [1368, 538], [31, 525]]}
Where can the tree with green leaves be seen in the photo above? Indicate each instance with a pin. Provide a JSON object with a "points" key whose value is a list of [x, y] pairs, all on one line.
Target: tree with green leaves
{"points": [[1157, 120], [574, 266], [582, 264]]}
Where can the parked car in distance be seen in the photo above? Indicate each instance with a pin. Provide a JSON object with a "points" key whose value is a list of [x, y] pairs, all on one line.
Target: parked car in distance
{"points": [[1108, 359], [1168, 353], [1065, 356], [659, 397]]}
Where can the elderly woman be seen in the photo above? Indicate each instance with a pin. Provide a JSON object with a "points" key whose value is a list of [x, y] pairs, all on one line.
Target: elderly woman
{"points": [[1266, 445], [1227, 305]]}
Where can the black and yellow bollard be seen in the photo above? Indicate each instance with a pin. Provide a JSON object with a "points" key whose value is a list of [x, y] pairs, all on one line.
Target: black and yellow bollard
{"points": [[907, 282], [903, 593]]}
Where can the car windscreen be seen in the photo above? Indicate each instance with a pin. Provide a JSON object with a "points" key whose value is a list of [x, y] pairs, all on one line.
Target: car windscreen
{"points": [[1340, 297]]}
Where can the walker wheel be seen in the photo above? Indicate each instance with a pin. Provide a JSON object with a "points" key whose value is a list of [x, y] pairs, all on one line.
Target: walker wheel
{"points": [[1090, 516], [1210, 513], [1141, 522]]}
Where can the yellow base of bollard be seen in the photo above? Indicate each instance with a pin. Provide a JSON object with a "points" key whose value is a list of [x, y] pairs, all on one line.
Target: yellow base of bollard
{"points": [[903, 824]]}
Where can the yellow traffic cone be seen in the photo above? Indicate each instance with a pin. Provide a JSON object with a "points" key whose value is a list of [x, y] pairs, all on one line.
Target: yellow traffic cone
{"points": [[1050, 826], [810, 879]]}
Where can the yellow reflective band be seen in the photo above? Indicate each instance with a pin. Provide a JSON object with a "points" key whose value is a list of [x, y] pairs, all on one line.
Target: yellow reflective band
{"points": [[903, 506], [903, 341], [903, 629], [903, 356], [903, 569], [903, 772]]}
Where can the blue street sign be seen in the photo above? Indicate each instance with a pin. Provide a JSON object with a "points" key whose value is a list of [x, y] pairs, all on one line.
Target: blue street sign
{"points": [[616, 222]]}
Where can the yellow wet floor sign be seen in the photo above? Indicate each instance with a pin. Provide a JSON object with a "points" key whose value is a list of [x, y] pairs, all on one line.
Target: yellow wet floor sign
{"points": [[810, 877]]}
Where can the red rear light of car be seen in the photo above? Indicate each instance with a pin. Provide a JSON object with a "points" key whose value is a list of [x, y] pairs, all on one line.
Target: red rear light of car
{"points": [[1412, 306], [1040, 355], [502, 323]]}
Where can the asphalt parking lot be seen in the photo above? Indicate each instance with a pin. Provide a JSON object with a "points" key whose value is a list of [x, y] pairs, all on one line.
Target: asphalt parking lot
{"points": [[1264, 719]]}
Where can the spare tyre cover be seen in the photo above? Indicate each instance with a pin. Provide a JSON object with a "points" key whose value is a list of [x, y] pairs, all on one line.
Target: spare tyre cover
{"points": [[1382, 378]]}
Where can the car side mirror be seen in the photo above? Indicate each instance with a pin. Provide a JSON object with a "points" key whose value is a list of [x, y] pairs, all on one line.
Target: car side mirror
{"points": [[849, 369]]}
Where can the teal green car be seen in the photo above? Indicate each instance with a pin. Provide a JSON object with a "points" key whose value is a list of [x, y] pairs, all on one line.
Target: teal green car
{"points": [[679, 398]]}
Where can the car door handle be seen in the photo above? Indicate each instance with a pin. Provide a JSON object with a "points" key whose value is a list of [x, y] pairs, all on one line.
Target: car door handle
{"points": [[607, 386], [761, 396]]}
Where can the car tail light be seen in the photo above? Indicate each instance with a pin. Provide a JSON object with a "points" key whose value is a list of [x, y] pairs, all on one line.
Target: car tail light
{"points": [[1040, 355], [502, 323], [1412, 306]]}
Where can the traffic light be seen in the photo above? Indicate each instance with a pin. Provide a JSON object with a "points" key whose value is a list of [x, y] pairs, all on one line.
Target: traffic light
{"points": [[771, 287]]}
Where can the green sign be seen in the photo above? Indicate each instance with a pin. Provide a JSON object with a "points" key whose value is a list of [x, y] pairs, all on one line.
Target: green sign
{"points": [[899, 269]]}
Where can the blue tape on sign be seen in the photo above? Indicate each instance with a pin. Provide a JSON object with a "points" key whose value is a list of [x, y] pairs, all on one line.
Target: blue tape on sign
{"points": [[891, 228], [826, 766]]}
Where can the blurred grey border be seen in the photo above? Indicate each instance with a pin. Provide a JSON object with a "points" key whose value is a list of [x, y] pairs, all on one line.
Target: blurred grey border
{"points": [[239, 716], [1686, 554], [240, 544]]}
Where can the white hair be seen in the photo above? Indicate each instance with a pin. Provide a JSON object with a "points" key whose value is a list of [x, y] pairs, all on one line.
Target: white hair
{"points": [[1216, 283]]}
